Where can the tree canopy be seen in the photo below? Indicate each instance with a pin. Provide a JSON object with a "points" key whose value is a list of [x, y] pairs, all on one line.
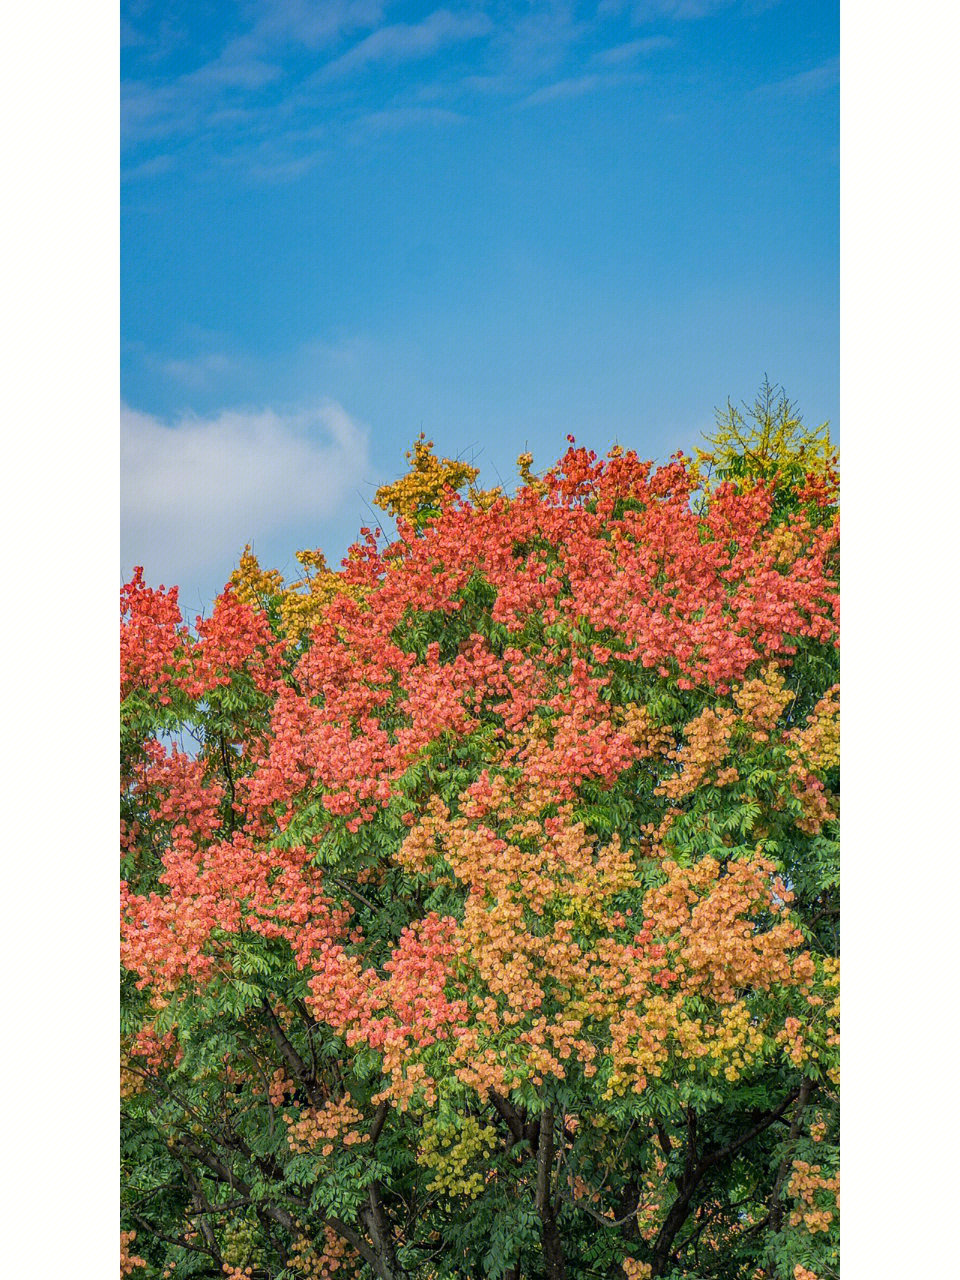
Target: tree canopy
{"points": [[480, 897]]}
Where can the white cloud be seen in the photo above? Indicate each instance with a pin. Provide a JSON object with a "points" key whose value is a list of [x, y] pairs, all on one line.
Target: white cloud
{"points": [[539, 37], [404, 40], [195, 491], [648, 10], [212, 95], [151, 168], [311, 23], [199, 371], [633, 49], [816, 80], [403, 117], [577, 86]]}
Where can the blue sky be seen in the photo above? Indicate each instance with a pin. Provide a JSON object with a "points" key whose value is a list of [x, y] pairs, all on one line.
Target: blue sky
{"points": [[346, 220]]}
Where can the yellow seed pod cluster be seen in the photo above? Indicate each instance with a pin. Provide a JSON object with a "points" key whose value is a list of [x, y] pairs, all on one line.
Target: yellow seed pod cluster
{"points": [[817, 744], [816, 1196], [525, 467], [762, 701], [636, 1270], [301, 603], [323, 1258], [239, 1241], [484, 498], [450, 1149], [253, 585], [131, 1081], [706, 747], [323, 1128], [129, 1262], [305, 601], [426, 484]]}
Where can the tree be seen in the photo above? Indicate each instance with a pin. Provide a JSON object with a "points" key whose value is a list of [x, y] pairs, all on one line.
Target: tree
{"points": [[488, 927], [768, 438]]}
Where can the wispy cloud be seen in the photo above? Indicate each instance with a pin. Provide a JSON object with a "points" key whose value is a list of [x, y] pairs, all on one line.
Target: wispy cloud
{"points": [[278, 156], [577, 86], [252, 107], [486, 84], [194, 491], [404, 41], [200, 371], [805, 83], [215, 93], [249, 95], [151, 168], [314, 23], [633, 49], [394, 118], [179, 106], [648, 10], [537, 41], [280, 171]]}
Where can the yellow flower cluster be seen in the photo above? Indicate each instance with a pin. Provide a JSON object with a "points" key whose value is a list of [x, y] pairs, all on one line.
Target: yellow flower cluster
{"points": [[303, 603], [762, 702], [788, 541], [817, 746], [637, 722], [323, 1259], [707, 746], [722, 953], [449, 1149], [636, 1270], [255, 586], [323, 1127], [524, 466], [428, 482], [814, 750], [484, 498], [807, 1183]]}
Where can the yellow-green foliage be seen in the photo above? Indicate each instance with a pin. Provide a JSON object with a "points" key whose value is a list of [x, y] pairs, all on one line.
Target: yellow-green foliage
{"points": [[756, 441]]}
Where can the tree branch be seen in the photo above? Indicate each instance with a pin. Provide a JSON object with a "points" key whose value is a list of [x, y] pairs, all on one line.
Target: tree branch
{"points": [[696, 1170], [203, 1205], [764, 1122], [295, 1064], [510, 1116], [554, 1264], [776, 1209]]}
